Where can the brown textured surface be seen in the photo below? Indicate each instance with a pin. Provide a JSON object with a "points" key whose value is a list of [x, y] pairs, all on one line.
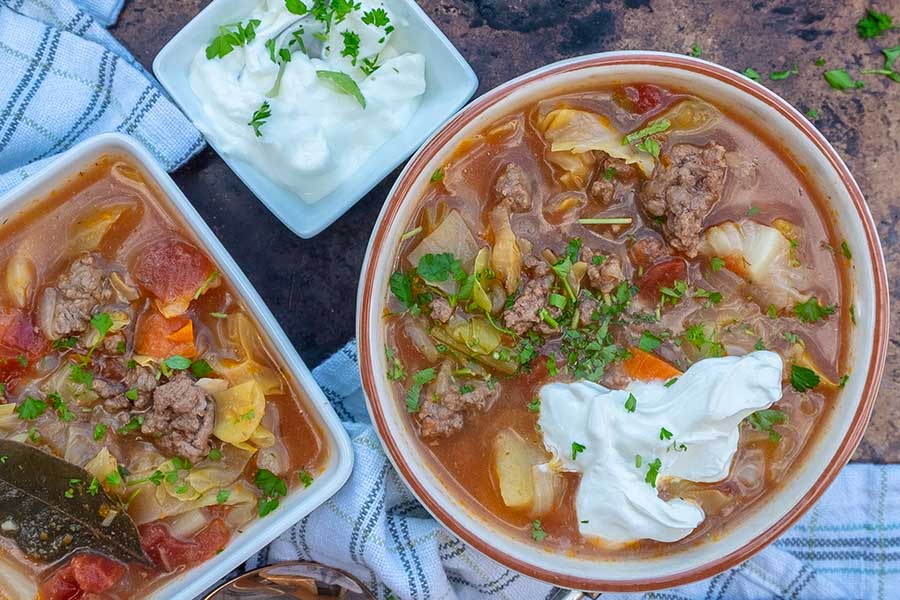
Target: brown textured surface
{"points": [[310, 285]]}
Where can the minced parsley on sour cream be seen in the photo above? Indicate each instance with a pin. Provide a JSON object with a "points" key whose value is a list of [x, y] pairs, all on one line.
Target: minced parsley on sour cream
{"points": [[306, 91]]}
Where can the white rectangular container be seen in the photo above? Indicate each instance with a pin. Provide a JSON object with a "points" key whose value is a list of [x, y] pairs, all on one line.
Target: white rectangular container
{"points": [[300, 502]]}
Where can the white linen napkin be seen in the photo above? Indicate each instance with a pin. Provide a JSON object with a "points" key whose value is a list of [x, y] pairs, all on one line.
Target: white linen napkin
{"points": [[64, 78], [846, 547]]}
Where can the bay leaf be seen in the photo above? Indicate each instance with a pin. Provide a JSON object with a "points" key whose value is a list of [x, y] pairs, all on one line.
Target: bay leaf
{"points": [[50, 509]]}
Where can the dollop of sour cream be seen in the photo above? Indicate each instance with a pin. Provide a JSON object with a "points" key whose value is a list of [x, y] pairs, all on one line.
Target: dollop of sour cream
{"points": [[318, 134], [615, 437]]}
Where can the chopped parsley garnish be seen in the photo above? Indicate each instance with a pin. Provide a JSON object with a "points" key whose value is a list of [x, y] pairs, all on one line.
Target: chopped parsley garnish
{"points": [[99, 431], [803, 379], [791, 337], [401, 286], [466, 389], [839, 79], [436, 268], [396, 372], [22, 360], [631, 403], [752, 211], [33, 434], [552, 368], [752, 74], [820, 62], [64, 343], [673, 294], [377, 17], [413, 400], [650, 146], [765, 420], [273, 487], [779, 75], [218, 315], [651, 129], [537, 531], [343, 83], [638, 461], [351, 45], [305, 478], [873, 24], [61, 408], [772, 311], [653, 472], [534, 405], [31, 408], [438, 175], [812, 311], [297, 7], [759, 345], [231, 37], [843, 381], [665, 434], [711, 296], [200, 369], [707, 344], [131, 394], [133, 425], [716, 263], [577, 449], [222, 496], [649, 341], [845, 250], [696, 51], [609, 173], [852, 310], [215, 455], [670, 382], [114, 479], [259, 118], [812, 114]]}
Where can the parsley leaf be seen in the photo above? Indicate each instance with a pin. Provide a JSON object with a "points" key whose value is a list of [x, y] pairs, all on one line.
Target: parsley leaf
{"points": [[655, 127], [811, 311], [839, 79], [803, 379], [752, 74], [31, 408], [764, 420], [377, 17], [81, 376], [438, 175], [649, 342], [200, 369], [631, 403], [232, 36], [873, 24], [413, 401], [650, 146], [296, 7], [259, 118], [653, 472], [696, 50], [273, 487], [351, 45], [577, 449], [343, 83], [537, 531], [305, 478], [534, 405], [716, 263], [440, 267], [396, 372], [779, 75], [401, 287]]}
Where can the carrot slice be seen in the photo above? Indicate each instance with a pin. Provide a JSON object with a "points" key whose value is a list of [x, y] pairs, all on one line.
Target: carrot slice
{"points": [[185, 335], [644, 366]]}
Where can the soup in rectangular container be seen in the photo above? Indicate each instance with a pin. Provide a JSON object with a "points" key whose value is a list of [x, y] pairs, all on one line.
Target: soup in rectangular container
{"points": [[151, 411]]}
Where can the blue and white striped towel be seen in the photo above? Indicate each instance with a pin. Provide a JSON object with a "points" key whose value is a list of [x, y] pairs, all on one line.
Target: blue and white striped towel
{"points": [[64, 78], [846, 547]]}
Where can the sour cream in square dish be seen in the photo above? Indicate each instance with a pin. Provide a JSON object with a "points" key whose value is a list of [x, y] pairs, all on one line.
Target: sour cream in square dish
{"points": [[306, 91]]}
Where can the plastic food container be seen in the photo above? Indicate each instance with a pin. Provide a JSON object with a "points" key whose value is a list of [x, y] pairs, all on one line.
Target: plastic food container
{"points": [[339, 463], [450, 82]]}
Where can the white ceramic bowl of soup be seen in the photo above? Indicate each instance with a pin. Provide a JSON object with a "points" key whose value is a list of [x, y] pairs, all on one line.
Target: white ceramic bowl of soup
{"points": [[339, 462], [831, 450]]}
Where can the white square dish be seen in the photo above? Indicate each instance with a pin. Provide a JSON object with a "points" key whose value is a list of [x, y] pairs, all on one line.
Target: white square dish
{"points": [[338, 465], [450, 83]]}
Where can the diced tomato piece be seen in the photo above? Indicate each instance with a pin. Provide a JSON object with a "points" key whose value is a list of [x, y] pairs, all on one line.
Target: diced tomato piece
{"points": [[19, 336], [169, 552], [160, 337], [638, 99], [173, 271], [86, 573], [662, 274], [644, 366]]}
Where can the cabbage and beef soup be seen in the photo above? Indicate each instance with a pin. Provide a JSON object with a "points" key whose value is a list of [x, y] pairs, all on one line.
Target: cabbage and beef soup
{"points": [[144, 421], [618, 319]]}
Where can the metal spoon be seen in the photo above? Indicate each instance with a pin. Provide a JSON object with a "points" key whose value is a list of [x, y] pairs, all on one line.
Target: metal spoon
{"points": [[293, 581], [309, 581]]}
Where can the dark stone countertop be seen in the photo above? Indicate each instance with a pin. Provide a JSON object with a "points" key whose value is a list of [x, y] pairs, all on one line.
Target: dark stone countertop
{"points": [[310, 285]]}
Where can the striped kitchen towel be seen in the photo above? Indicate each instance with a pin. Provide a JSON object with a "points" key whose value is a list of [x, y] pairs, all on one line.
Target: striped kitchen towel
{"points": [[846, 547], [64, 78]]}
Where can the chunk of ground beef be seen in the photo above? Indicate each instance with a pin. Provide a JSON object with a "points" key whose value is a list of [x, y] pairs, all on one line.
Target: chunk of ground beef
{"points": [[608, 170], [647, 251], [513, 188], [447, 401], [441, 310], [139, 380], [586, 307], [112, 394], [607, 275], [523, 314], [181, 418], [66, 309], [683, 190]]}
